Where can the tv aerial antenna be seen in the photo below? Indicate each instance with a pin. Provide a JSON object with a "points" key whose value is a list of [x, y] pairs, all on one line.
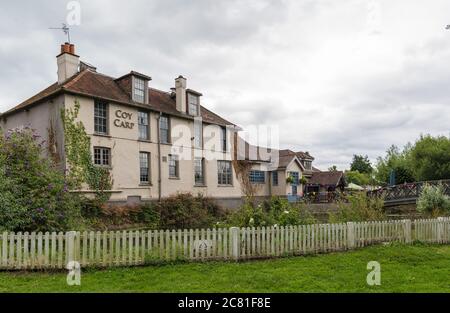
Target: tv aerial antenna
{"points": [[65, 29]]}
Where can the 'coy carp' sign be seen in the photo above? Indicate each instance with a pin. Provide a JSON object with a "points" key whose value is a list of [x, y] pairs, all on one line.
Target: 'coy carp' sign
{"points": [[123, 119]]}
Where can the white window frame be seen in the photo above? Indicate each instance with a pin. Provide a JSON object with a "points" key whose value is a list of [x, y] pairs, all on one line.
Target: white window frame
{"points": [[138, 87], [193, 105]]}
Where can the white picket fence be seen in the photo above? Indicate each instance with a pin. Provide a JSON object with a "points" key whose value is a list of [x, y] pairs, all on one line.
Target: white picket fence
{"points": [[126, 248]]}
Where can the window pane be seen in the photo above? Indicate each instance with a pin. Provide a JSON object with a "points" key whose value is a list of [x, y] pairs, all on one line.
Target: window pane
{"points": [[102, 156], [198, 171], [100, 117], [193, 104], [143, 123], [224, 175], [144, 162], [223, 138], [139, 90], [295, 176], [257, 177], [173, 166], [164, 129], [275, 178]]}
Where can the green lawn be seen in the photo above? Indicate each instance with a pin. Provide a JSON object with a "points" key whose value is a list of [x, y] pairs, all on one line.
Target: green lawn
{"points": [[417, 268]]}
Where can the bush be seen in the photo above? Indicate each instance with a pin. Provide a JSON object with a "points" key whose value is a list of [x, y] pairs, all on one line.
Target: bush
{"points": [[359, 208], [276, 211], [119, 217], [34, 194], [433, 201], [184, 210]]}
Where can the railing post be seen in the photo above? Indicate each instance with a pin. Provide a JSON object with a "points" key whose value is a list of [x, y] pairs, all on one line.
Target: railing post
{"points": [[407, 230], [350, 235], [235, 245], [70, 241]]}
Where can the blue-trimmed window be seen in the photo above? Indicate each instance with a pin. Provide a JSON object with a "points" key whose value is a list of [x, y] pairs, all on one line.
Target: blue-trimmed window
{"points": [[257, 177], [295, 176], [275, 178]]}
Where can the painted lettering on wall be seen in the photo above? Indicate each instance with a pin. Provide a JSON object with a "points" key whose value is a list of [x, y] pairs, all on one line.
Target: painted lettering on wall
{"points": [[123, 119]]}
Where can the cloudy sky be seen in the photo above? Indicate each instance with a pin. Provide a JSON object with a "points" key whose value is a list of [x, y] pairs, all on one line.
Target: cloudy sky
{"points": [[336, 77]]}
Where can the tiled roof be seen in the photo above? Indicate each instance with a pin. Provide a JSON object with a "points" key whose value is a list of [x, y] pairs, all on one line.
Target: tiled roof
{"points": [[304, 155], [262, 154], [93, 84], [330, 178]]}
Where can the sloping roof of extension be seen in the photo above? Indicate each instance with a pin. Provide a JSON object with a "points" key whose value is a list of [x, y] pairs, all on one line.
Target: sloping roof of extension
{"points": [[262, 154], [300, 154], [304, 155], [329, 178], [285, 158], [92, 84]]}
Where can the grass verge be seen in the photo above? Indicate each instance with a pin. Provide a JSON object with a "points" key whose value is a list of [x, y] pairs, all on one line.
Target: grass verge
{"points": [[413, 268]]}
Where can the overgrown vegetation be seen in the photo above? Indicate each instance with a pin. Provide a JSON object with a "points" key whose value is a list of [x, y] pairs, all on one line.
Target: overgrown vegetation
{"points": [[79, 157], [276, 211], [182, 210], [242, 169], [359, 207], [34, 194], [187, 211], [433, 201]]}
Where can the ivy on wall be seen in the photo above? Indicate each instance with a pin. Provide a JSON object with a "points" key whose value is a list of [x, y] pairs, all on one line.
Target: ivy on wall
{"points": [[81, 168]]}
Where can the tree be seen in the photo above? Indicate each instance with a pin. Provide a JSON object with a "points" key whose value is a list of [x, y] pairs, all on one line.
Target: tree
{"points": [[355, 177], [361, 164], [430, 158], [397, 161], [333, 168]]}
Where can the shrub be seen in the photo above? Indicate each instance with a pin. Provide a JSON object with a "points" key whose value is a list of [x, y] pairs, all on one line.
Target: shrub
{"points": [[34, 194], [276, 211], [249, 215], [184, 210], [433, 201], [360, 207]]}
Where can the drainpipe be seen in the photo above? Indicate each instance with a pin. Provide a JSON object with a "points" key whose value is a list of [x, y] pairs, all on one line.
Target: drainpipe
{"points": [[159, 157], [270, 182]]}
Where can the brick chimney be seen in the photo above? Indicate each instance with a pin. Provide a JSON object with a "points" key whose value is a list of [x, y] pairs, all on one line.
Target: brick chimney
{"points": [[180, 93], [68, 62]]}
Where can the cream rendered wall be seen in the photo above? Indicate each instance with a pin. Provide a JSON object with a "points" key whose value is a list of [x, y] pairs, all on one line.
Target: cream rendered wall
{"points": [[280, 189], [125, 149], [293, 167], [39, 118], [262, 189]]}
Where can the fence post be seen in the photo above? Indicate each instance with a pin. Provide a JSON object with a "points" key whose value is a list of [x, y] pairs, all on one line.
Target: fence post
{"points": [[407, 230], [350, 235], [70, 241], [235, 246], [440, 230]]}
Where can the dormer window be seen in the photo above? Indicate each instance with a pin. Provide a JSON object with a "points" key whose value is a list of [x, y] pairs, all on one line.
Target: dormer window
{"points": [[308, 165], [139, 90], [193, 104]]}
